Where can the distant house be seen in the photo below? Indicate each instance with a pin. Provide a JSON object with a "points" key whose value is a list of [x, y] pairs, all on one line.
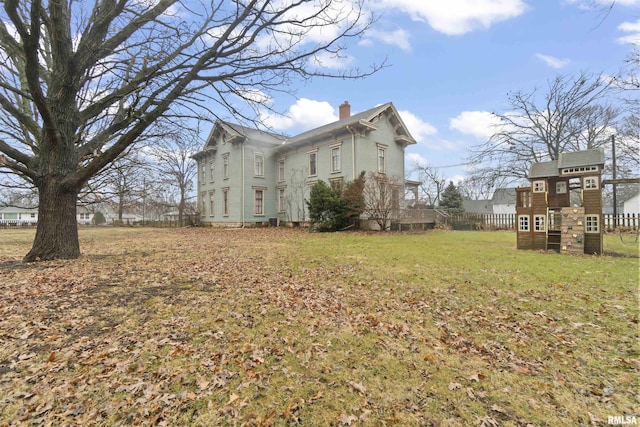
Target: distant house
{"points": [[12, 215], [247, 176], [502, 202], [632, 205]]}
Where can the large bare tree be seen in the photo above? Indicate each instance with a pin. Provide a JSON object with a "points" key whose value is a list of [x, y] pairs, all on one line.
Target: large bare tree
{"points": [[573, 114], [82, 81], [174, 165]]}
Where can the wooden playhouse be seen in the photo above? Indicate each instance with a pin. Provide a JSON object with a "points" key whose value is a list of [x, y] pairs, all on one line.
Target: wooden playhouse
{"points": [[562, 209]]}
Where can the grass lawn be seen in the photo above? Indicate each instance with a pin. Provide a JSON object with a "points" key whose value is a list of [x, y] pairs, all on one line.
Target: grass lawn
{"points": [[284, 327]]}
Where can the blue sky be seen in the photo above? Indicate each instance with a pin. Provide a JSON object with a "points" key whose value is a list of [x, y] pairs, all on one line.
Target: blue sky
{"points": [[451, 62]]}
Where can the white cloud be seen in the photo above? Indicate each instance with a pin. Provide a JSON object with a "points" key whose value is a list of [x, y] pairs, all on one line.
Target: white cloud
{"points": [[633, 28], [456, 17], [399, 38], [418, 128], [480, 124], [305, 114], [551, 61], [415, 159]]}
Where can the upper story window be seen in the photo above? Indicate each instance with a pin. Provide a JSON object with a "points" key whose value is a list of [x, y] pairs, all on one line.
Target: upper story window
{"points": [[382, 158], [581, 169], [590, 183], [258, 165], [225, 166], [313, 163], [524, 199], [281, 170], [212, 170], [335, 158], [539, 187], [561, 187], [203, 172]]}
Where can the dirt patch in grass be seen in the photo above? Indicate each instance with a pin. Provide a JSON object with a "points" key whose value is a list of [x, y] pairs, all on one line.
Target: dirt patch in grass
{"points": [[284, 327]]}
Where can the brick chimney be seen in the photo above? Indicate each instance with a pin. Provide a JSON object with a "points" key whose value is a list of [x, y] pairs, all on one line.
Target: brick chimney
{"points": [[345, 110]]}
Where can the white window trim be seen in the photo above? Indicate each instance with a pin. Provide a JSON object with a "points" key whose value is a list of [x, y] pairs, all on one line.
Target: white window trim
{"points": [[561, 187], [225, 201], [592, 224], [282, 200], [225, 166], [537, 185], [338, 147], [212, 165], [315, 154], [256, 158], [382, 168], [255, 205], [211, 203], [520, 223], [539, 223], [592, 179], [282, 171]]}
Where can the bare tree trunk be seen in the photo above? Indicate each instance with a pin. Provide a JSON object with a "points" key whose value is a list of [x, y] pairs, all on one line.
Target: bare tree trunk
{"points": [[57, 229]]}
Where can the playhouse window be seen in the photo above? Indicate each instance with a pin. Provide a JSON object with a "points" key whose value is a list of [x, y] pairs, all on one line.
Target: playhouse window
{"points": [[561, 187], [592, 224], [538, 187], [539, 223], [524, 201], [590, 183], [523, 223]]}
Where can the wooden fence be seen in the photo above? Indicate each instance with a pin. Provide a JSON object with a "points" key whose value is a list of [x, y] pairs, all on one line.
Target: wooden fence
{"points": [[628, 221], [470, 221]]}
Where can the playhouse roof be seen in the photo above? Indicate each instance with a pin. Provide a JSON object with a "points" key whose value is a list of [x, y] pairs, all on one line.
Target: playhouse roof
{"points": [[593, 157]]}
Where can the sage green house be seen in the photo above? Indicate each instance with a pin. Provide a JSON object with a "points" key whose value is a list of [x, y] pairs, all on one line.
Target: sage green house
{"points": [[248, 177]]}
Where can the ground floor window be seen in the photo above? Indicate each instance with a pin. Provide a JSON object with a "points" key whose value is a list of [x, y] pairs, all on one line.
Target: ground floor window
{"points": [[211, 203], [539, 223], [282, 200], [592, 224], [225, 202], [523, 223], [258, 201]]}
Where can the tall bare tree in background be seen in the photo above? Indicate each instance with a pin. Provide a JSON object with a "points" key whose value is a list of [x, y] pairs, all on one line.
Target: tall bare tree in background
{"points": [[432, 183], [82, 81], [573, 114], [174, 166]]}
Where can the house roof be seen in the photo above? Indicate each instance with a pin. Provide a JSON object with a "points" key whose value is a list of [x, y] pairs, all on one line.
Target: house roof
{"points": [[581, 158], [363, 120], [477, 206], [237, 133], [592, 157], [16, 209], [504, 196]]}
